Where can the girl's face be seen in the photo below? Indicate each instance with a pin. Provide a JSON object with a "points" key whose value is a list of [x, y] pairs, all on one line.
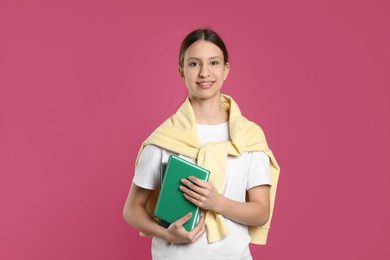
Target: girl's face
{"points": [[204, 70]]}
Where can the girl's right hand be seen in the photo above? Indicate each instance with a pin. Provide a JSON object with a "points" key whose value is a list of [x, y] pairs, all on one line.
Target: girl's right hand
{"points": [[177, 234]]}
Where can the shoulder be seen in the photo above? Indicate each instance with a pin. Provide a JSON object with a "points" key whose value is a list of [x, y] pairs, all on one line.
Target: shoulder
{"points": [[250, 128], [151, 150], [258, 156], [249, 123], [156, 152]]}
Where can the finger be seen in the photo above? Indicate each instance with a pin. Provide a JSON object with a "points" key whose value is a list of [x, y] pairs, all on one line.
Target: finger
{"points": [[194, 201], [199, 234], [200, 229], [197, 181], [201, 220], [191, 193], [198, 226], [195, 187], [184, 219]]}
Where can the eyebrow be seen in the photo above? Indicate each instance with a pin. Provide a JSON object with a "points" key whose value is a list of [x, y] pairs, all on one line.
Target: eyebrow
{"points": [[214, 57]]}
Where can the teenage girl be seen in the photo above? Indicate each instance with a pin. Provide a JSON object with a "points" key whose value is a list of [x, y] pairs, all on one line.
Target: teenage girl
{"points": [[243, 200]]}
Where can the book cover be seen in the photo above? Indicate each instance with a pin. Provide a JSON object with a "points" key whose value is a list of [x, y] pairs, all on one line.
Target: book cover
{"points": [[171, 204]]}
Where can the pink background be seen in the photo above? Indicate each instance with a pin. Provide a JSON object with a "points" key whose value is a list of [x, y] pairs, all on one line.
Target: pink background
{"points": [[82, 83]]}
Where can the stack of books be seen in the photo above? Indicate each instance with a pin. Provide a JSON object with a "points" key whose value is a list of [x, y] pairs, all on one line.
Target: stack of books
{"points": [[171, 204]]}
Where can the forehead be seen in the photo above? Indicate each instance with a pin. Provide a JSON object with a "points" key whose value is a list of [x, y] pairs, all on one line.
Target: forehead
{"points": [[203, 50]]}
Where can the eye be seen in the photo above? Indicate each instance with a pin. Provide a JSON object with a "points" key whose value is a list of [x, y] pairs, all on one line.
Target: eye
{"points": [[214, 63], [194, 64]]}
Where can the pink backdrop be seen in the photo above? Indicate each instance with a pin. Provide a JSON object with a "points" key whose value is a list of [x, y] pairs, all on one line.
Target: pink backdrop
{"points": [[82, 83]]}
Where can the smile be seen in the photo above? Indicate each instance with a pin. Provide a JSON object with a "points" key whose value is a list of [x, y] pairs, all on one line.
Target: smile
{"points": [[205, 84]]}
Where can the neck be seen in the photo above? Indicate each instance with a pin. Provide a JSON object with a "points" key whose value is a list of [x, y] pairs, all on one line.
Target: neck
{"points": [[209, 111]]}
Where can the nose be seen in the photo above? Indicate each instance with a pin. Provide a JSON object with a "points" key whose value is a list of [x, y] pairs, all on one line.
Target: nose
{"points": [[204, 71]]}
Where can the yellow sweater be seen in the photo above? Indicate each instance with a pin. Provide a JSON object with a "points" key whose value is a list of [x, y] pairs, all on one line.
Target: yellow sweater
{"points": [[179, 135]]}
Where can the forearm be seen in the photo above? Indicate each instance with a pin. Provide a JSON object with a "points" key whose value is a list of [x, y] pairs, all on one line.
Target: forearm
{"points": [[247, 213], [254, 212], [135, 214], [140, 219]]}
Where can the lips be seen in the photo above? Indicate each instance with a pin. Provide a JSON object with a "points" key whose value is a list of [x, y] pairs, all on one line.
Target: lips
{"points": [[205, 84]]}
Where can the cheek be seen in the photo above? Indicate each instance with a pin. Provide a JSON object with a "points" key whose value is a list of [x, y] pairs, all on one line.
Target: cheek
{"points": [[190, 76], [225, 74], [222, 75], [188, 81]]}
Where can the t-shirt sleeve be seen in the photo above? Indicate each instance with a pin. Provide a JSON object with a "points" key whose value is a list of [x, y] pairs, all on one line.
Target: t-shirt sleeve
{"points": [[259, 172], [148, 169]]}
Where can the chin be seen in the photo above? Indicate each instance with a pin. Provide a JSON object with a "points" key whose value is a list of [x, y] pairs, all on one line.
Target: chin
{"points": [[205, 95]]}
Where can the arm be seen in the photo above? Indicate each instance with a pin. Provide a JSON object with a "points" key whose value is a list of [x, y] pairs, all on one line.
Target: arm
{"points": [[254, 212], [135, 214]]}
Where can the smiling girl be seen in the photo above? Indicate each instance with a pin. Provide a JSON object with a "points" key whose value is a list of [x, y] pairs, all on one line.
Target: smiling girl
{"points": [[209, 130]]}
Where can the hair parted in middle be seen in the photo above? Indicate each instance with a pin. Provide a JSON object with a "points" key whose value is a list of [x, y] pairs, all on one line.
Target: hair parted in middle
{"points": [[206, 35]]}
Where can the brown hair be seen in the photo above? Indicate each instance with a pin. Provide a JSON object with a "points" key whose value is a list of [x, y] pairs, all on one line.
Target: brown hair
{"points": [[202, 34]]}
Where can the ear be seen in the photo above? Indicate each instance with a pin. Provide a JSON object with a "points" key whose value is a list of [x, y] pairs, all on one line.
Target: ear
{"points": [[227, 69], [181, 72]]}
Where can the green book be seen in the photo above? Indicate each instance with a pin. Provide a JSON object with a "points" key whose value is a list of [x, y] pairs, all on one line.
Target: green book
{"points": [[171, 204]]}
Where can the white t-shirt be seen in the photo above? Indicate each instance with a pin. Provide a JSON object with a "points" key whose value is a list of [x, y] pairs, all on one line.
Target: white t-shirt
{"points": [[242, 173]]}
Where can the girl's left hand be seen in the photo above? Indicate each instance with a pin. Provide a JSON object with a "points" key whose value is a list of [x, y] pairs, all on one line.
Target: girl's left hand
{"points": [[201, 193]]}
